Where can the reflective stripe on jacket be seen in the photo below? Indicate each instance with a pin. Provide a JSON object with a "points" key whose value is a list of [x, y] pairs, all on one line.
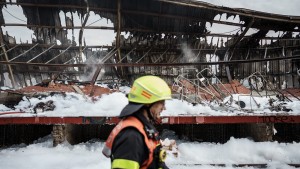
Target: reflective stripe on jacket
{"points": [[130, 121]]}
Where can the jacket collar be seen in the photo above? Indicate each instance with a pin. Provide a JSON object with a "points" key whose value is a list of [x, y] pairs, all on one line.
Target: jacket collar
{"points": [[149, 127]]}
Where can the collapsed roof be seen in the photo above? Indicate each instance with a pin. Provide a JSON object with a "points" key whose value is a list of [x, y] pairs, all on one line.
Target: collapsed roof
{"points": [[157, 30], [153, 16]]}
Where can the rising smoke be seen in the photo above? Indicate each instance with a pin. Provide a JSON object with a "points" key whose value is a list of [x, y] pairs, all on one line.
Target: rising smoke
{"points": [[91, 68], [188, 55]]}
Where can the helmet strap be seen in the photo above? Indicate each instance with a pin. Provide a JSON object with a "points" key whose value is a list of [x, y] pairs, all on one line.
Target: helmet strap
{"points": [[151, 118]]}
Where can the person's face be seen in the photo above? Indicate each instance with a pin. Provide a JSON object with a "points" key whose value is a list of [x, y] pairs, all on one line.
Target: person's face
{"points": [[157, 108]]}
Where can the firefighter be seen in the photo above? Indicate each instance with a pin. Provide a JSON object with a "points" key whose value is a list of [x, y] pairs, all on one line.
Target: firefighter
{"points": [[134, 142]]}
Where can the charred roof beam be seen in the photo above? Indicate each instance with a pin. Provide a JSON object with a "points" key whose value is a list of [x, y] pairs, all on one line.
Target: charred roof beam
{"points": [[237, 11], [231, 48], [58, 27], [152, 64], [241, 12]]}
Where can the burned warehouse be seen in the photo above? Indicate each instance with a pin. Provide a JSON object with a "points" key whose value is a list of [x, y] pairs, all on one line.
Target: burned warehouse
{"points": [[225, 59]]}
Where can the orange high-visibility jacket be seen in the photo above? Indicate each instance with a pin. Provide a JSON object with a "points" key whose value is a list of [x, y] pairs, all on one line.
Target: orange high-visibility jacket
{"points": [[131, 121]]}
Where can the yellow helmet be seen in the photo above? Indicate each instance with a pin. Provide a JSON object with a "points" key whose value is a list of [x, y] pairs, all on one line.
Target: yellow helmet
{"points": [[149, 89], [146, 90]]}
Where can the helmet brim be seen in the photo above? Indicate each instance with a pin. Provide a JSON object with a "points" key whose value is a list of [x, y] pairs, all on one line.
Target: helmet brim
{"points": [[130, 108]]}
